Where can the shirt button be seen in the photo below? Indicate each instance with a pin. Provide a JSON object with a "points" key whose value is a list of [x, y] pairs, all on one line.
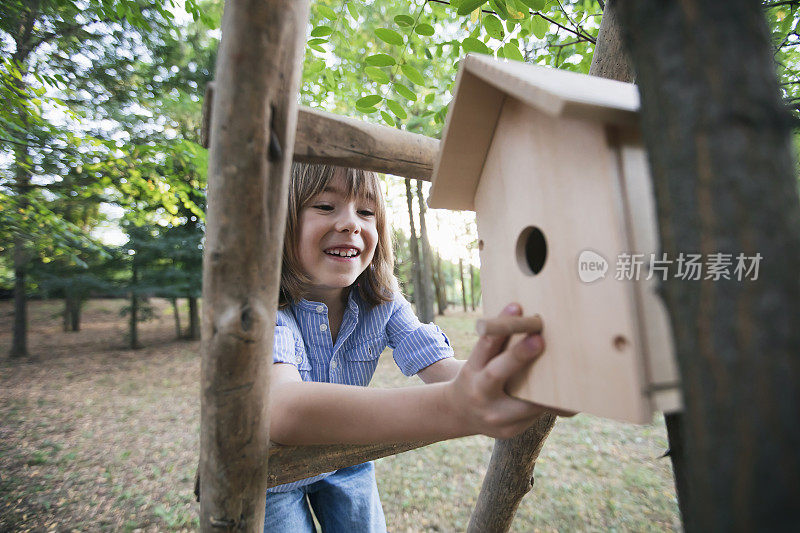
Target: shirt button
{"points": [[323, 327], [334, 364], [320, 309], [299, 358]]}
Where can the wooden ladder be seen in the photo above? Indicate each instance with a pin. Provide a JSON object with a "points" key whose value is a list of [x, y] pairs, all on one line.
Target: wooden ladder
{"points": [[256, 131]]}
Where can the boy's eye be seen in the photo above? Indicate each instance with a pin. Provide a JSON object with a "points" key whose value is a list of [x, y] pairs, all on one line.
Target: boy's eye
{"points": [[324, 207], [366, 213]]}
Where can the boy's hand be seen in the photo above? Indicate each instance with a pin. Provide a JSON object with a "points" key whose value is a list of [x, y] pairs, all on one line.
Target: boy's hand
{"points": [[477, 394]]}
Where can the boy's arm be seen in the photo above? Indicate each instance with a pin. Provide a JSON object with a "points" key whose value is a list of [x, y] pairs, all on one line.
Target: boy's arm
{"points": [[473, 402], [441, 370]]}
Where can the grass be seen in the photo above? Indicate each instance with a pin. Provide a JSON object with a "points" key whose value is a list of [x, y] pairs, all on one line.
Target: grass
{"points": [[97, 437]]}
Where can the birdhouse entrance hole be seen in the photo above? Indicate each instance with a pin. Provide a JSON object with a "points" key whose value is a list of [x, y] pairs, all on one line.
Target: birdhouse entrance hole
{"points": [[531, 250]]}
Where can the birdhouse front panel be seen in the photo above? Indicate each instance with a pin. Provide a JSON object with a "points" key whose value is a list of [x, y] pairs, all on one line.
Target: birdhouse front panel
{"points": [[553, 163], [548, 192]]}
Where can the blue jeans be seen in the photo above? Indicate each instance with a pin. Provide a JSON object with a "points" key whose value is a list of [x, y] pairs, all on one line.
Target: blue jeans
{"points": [[347, 501]]}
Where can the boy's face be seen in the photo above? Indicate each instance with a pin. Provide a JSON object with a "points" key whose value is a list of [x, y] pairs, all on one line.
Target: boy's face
{"points": [[337, 239]]}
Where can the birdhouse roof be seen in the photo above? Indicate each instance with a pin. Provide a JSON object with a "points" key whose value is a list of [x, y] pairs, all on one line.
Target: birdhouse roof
{"points": [[482, 85]]}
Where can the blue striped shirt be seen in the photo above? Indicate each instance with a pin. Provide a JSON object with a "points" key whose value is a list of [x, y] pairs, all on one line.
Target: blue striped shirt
{"points": [[303, 339]]}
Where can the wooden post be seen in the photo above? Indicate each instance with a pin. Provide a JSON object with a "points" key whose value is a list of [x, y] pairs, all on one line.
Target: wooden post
{"points": [[510, 472], [509, 478], [252, 135], [719, 141]]}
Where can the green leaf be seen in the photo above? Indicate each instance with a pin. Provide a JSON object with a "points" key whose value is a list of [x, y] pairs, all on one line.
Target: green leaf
{"points": [[404, 21], [389, 36], [468, 6], [387, 118], [493, 27], [380, 60], [353, 9], [396, 108], [326, 12], [412, 74], [368, 101], [499, 7], [471, 44], [321, 31], [539, 27], [317, 41], [405, 92], [536, 5], [424, 29], [510, 51], [317, 48], [376, 74], [429, 98]]}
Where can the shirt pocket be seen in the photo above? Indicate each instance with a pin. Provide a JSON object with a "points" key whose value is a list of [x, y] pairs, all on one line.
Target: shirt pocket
{"points": [[361, 359]]}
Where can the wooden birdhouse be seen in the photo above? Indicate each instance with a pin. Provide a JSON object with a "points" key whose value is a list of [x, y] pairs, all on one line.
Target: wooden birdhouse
{"points": [[554, 166]]}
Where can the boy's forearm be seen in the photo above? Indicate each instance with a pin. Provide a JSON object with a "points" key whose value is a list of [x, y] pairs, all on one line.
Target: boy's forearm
{"points": [[442, 370], [324, 413]]}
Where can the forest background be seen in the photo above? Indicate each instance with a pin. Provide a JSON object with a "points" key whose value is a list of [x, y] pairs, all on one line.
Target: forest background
{"points": [[102, 195], [102, 176]]}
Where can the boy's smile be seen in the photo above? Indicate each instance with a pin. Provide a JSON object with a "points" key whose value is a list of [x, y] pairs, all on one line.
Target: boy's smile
{"points": [[337, 240]]}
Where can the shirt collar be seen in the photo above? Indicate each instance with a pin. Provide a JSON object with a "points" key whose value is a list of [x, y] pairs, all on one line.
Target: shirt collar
{"points": [[309, 306]]}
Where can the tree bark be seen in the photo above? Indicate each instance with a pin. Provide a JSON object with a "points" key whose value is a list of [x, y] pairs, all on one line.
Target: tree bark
{"points": [[252, 138], [513, 461], [719, 144], [414, 243], [194, 319], [177, 318], [425, 305]]}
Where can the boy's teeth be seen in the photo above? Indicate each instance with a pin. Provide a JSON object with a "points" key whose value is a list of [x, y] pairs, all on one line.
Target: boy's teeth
{"points": [[342, 253]]}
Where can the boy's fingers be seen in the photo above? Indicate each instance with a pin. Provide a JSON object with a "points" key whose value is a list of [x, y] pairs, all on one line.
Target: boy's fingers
{"points": [[489, 346], [501, 368]]}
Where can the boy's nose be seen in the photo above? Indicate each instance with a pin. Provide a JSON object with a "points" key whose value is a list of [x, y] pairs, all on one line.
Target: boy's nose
{"points": [[348, 221]]}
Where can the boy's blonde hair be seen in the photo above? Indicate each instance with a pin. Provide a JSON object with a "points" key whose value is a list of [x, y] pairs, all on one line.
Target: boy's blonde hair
{"points": [[377, 283]]}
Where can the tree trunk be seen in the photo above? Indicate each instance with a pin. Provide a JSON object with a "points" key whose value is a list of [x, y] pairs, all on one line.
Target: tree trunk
{"points": [[438, 286], [414, 243], [719, 144], [463, 287], [65, 319], [252, 139], [177, 318], [194, 319], [133, 330], [19, 343], [425, 305], [509, 476], [75, 313], [472, 285]]}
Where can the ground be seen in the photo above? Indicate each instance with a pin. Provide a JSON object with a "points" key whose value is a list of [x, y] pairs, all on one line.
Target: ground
{"points": [[97, 437]]}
